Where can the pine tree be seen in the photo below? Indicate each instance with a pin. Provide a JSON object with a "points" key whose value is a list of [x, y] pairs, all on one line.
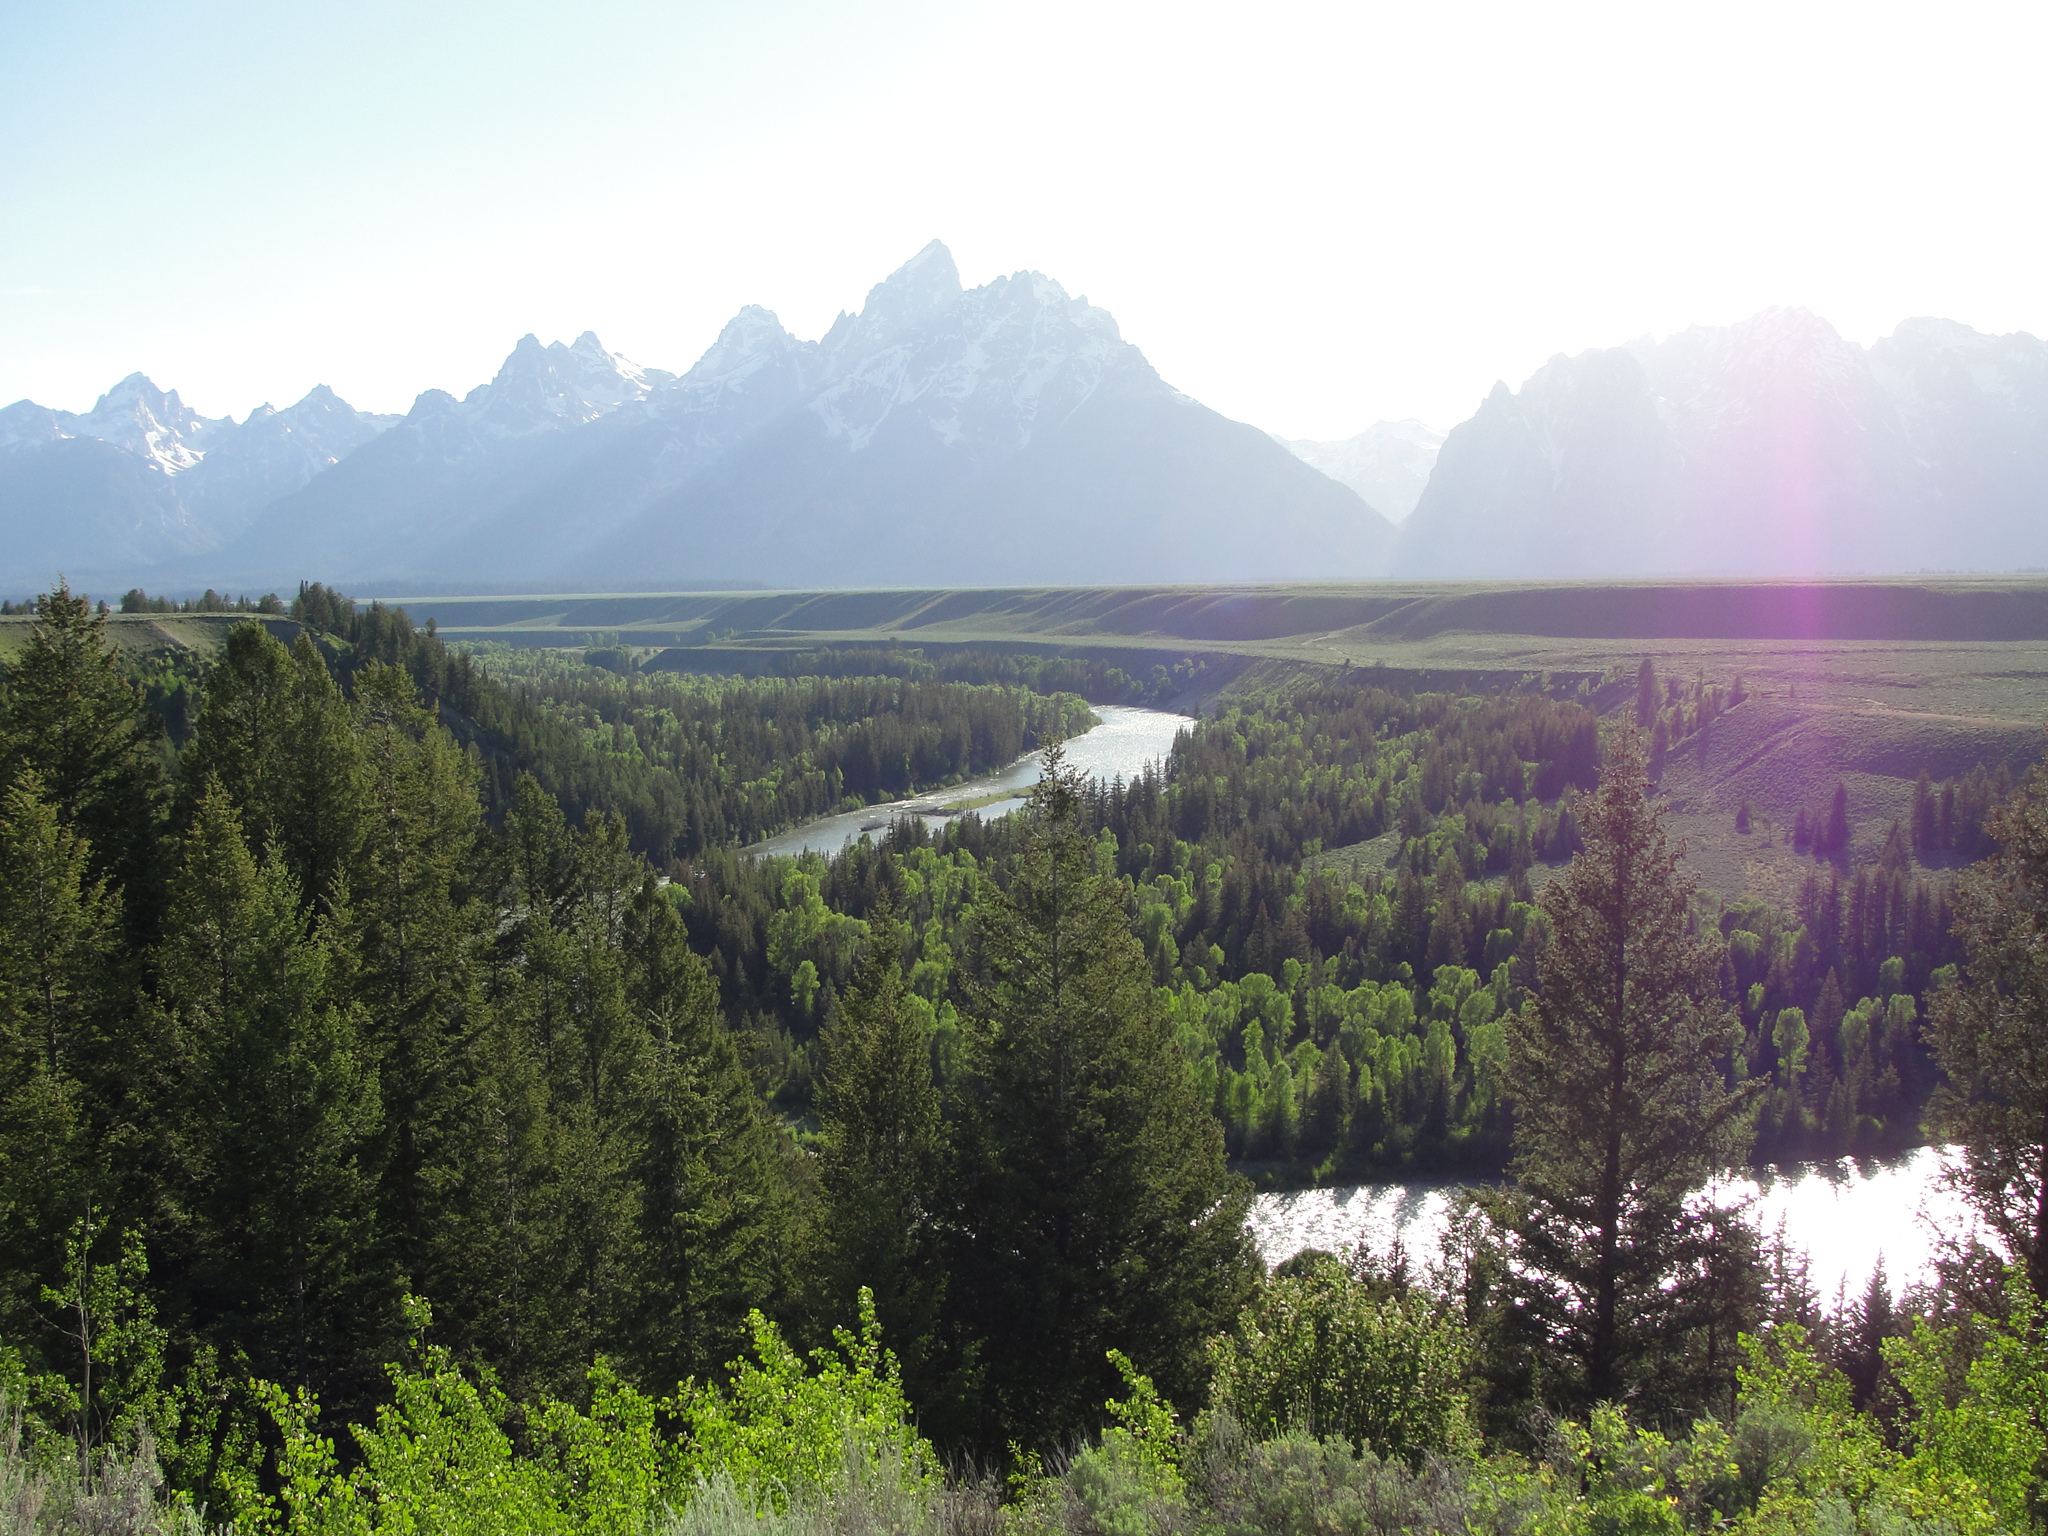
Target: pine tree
{"points": [[1621, 1108], [83, 729], [716, 1182], [1096, 1209], [1926, 818], [275, 735], [1989, 1032], [61, 1067], [1835, 841], [538, 1245], [416, 928], [881, 1155], [278, 1118], [1646, 694]]}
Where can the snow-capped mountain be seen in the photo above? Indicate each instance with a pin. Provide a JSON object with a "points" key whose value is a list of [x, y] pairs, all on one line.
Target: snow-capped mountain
{"points": [[1770, 447], [142, 477], [1004, 433], [1388, 463], [1009, 434]]}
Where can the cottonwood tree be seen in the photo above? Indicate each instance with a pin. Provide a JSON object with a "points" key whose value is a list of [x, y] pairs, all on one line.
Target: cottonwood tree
{"points": [[1622, 1108], [1989, 1031]]}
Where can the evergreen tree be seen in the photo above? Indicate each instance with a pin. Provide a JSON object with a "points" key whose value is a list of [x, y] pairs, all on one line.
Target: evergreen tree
{"points": [[1926, 818], [1989, 1031], [417, 931], [61, 1078], [715, 1180], [1621, 1108], [279, 1117], [881, 1154], [275, 735], [1096, 1208], [1835, 840], [85, 732], [543, 1235], [1646, 694]]}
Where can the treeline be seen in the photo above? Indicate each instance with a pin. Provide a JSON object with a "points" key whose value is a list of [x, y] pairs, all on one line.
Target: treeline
{"points": [[1343, 1022], [1095, 679], [693, 762], [1348, 1021], [739, 757], [135, 600]]}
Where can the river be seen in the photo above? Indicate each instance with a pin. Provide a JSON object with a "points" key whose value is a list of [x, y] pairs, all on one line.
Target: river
{"points": [[1120, 747], [1846, 1214]]}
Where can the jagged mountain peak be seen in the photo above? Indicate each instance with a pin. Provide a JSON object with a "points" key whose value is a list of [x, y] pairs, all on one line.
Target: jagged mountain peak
{"points": [[913, 296], [152, 423]]}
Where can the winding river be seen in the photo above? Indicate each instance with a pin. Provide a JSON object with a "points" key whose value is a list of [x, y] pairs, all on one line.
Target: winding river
{"points": [[1847, 1215], [1120, 747]]}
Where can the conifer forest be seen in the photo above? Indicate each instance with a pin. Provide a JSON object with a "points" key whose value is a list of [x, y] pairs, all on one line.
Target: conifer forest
{"points": [[420, 1111]]}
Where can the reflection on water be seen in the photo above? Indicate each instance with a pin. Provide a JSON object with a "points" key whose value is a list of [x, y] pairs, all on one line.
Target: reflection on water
{"points": [[1120, 747], [1847, 1216]]}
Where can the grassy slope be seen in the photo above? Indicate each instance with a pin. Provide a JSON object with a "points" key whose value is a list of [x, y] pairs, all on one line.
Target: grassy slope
{"points": [[147, 633]]}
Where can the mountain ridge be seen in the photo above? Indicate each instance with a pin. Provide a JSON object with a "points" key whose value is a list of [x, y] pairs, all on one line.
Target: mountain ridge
{"points": [[1009, 433]]}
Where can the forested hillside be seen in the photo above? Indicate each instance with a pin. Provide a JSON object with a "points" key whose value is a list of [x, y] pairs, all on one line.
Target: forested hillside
{"points": [[353, 1075]]}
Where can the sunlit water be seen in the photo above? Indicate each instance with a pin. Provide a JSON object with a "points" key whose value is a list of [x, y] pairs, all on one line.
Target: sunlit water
{"points": [[1127, 740], [1847, 1216]]}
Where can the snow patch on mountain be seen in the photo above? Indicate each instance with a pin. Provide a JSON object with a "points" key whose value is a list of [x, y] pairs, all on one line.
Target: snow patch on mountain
{"points": [[1388, 463]]}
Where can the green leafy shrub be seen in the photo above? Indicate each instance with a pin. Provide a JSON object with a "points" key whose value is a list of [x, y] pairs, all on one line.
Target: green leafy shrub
{"points": [[1335, 1353]]}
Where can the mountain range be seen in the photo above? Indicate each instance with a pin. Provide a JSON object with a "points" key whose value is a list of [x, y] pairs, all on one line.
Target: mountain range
{"points": [[1008, 434], [1773, 447], [940, 435]]}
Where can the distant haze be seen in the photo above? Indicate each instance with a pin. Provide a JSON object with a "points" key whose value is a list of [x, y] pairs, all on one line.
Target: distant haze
{"points": [[1314, 217], [1011, 433]]}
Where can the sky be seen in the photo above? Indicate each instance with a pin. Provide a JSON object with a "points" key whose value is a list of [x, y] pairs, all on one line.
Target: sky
{"points": [[1309, 216]]}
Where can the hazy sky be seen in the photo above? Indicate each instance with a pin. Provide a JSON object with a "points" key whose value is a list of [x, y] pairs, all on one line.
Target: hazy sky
{"points": [[1309, 216]]}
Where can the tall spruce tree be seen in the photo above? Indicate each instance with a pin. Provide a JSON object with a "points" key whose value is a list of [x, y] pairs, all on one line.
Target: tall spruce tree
{"points": [[278, 1118], [1622, 1111], [542, 1227], [1989, 1031], [84, 730], [417, 928], [275, 734], [717, 1184], [881, 1155], [1096, 1211], [61, 1064]]}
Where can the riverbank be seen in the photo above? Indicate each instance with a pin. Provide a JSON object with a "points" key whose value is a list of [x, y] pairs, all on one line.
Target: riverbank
{"points": [[1124, 742]]}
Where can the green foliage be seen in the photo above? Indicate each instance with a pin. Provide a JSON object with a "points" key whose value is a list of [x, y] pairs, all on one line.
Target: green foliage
{"points": [[1336, 1353], [782, 1432], [694, 762], [1987, 1033], [75, 723], [881, 1153], [1622, 1111], [1095, 1210]]}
